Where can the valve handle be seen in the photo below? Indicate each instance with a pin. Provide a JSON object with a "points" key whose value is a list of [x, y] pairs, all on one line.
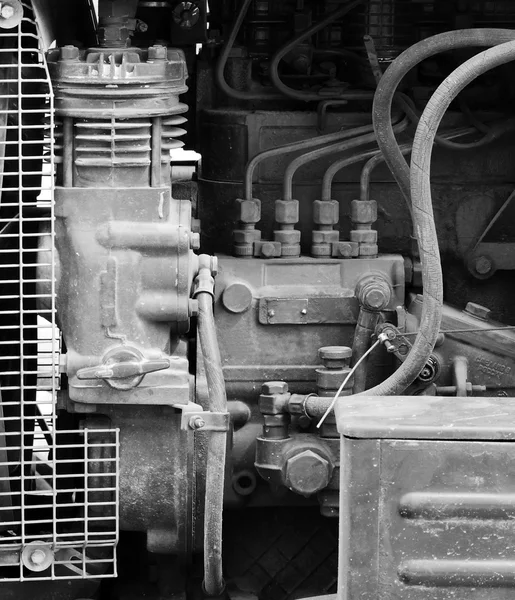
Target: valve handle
{"points": [[122, 370]]}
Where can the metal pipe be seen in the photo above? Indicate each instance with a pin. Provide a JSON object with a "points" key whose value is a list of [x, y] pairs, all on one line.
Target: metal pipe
{"points": [[306, 34], [214, 584]]}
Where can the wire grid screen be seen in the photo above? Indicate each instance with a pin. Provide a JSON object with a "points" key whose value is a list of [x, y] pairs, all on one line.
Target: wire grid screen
{"points": [[58, 488]]}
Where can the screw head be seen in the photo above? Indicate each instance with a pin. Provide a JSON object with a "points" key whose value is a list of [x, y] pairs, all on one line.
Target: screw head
{"points": [[274, 387]]}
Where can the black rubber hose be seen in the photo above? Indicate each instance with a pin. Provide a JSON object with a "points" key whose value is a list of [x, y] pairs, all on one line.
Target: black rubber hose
{"points": [[423, 210], [214, 584], [306, 34], [410, 58]]}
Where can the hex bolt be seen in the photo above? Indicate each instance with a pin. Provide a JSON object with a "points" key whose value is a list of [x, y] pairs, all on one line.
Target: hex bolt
{"points": [[196, 423], [274, 387], [307, 473]]}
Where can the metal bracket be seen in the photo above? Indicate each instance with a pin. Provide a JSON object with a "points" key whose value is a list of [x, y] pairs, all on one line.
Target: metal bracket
{"points": [[195, 418]]}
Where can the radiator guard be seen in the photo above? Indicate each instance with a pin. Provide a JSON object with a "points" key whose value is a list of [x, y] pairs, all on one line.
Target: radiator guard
{"points": [[58, 488]]}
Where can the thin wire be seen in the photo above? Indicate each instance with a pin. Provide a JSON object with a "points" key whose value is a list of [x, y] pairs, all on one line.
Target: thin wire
{"points": [[351, 373], [478, 330]]}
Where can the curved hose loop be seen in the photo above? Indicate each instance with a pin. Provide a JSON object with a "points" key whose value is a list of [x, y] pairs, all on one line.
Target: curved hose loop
{"points": [[423, 210], [328, 150], [423, 214], [214, 584], [399, 68], [306, 34]]}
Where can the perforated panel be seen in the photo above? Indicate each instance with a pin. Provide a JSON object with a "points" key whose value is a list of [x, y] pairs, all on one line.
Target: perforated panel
{"points": [[58, 488]]}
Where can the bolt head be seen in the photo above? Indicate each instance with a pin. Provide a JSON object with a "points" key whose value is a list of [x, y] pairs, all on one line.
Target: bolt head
{"points": [[38, 557], [274, 387], [267, 250], [483, 265], [307, 473]]}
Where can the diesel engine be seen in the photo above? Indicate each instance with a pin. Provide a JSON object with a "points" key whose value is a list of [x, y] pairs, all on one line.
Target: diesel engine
{"points": [[257, 335]]}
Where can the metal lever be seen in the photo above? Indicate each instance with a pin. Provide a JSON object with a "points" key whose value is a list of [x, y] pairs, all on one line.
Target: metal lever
{"points": [[123, 368]]}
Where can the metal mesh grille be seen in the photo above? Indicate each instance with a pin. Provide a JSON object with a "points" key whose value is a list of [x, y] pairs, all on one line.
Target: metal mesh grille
{"points": [[58, 486]]}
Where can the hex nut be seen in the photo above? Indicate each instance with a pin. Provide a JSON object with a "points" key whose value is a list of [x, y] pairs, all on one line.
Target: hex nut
{"points": [[325, 237], [290, 250], [368, 250], [307, 473], [249, 211], [321, 250], [274, 387], [363, 211], [364, 236], [326, 212], [273, 404], [69, 52], [246, 236], [237, 297], [287, 236], [287, 211], [157, 53]]}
